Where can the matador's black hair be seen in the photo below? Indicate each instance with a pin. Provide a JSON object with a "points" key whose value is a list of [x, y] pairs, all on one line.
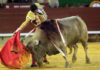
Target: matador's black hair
{"points": [[33, 7]]}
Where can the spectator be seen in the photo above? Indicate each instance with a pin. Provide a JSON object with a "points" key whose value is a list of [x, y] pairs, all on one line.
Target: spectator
{"points": [[19, 1], [25, 1], [54, 3], [34, 1], [10, 1], [95, 3], [1, 5]]}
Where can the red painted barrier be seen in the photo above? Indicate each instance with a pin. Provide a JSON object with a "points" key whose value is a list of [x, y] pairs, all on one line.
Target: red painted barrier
{"points": [[11, 18]]}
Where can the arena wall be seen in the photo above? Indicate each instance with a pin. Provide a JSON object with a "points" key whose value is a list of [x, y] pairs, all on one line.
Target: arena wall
{"points": [[11, 18]]}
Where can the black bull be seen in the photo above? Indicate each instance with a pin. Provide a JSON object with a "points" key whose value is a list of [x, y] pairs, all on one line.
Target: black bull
{"points": [[73, 29]]}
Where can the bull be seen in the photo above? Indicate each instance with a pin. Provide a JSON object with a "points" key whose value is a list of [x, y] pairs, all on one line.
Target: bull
{"points": [[73, 29]]}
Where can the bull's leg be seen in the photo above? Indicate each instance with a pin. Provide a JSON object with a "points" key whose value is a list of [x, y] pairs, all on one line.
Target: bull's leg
{"points": [[74, 58], [45, 60], [67, 65], [40, 62], [86, 52], [70, 48]]}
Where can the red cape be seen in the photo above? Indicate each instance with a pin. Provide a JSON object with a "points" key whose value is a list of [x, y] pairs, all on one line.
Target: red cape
{"points": [[12, 59]]}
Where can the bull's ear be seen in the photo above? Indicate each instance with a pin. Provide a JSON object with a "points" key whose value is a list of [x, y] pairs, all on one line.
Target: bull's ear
{"points": [[37, 42]]}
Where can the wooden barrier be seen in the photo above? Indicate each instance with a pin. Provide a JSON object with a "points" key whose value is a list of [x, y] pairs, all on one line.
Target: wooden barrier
{"points": [[11, 18]]}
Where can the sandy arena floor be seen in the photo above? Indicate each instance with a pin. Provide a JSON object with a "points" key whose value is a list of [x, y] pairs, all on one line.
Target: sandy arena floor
{"points": [[57, 61]]}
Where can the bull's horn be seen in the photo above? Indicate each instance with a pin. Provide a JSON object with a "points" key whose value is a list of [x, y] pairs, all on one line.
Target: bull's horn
{"points": [[37, 42]]}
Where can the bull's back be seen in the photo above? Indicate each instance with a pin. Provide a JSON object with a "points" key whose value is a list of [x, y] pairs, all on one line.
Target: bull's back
{"points": [[75, 29]]}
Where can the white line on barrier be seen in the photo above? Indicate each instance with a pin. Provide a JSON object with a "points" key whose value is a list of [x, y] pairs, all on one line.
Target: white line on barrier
{"points": [[23, 34], [10, 34]]}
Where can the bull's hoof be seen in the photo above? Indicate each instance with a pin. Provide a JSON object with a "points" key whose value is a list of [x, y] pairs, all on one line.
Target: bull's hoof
{"points": [[45, 61], [67, 65], [88, 61]]}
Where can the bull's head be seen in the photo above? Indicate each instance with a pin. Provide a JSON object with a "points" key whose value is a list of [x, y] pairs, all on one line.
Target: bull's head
{"points": [[32, 44]]}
